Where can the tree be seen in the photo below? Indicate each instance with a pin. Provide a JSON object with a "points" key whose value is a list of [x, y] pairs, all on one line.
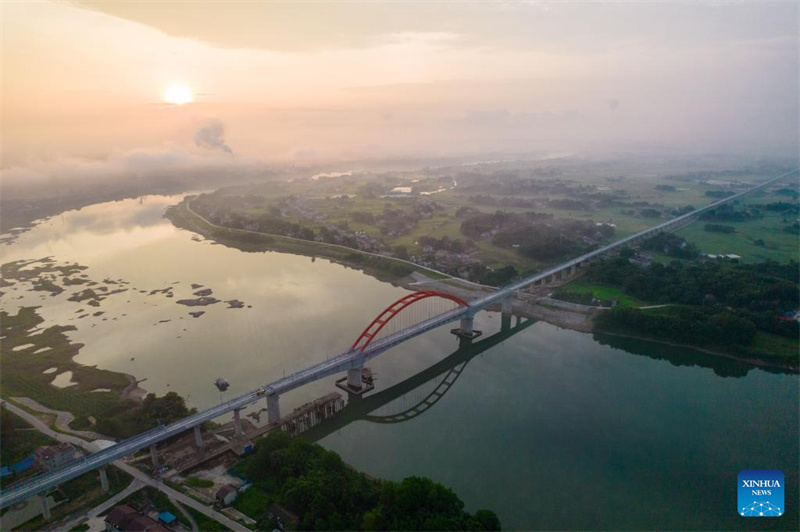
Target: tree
{"points": [[488, 520]]}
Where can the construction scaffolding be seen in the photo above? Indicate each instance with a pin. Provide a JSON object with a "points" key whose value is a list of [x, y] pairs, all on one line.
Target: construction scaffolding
{"points": [[312, 414]]}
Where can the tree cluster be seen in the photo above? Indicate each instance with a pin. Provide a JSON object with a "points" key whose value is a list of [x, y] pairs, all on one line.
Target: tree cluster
{"points": [[154, 411], [692, 325], [536, 235], [717, 228], [730, 213], [317, 486], [446, 243], [753, 293], [671, 245]]}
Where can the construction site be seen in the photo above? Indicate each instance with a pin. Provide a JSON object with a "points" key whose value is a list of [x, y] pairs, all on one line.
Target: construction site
{"points": [[225, 444]]}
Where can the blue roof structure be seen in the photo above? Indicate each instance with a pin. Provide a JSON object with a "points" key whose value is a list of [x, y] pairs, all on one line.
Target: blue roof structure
{"points": [[166, 517]]}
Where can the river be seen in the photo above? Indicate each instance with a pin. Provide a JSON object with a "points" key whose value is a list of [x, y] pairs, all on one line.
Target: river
{"points": [[550, 428]]}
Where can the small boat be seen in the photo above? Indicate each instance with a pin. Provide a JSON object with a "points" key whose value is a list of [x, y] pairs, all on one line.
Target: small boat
{"points": [[221, 384]]}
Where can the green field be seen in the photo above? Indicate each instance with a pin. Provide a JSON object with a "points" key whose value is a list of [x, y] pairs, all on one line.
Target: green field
{"points": [[635, 180], [386, 268], [772, 346], [778, 244], [601, 291]]}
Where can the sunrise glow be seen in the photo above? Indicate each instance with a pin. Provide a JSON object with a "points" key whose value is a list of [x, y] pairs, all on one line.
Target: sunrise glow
{"points": [[178, 95]]}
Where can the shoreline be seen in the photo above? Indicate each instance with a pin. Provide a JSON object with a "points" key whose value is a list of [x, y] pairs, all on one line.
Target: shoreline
{"points": [[536, 306], [556, 315], [758, 362]]}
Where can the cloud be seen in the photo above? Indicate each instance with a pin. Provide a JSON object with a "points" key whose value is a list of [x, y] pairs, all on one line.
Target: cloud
{"points": [[142, 164], [212, 137]]}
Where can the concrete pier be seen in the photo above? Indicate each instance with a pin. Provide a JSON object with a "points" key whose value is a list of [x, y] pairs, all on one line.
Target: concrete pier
{"points": [[45, 506], [507, 306], [198, 436], [273, 408], [154, 455], [237, 422], [104, 478], [466, 330], [354, 378]]}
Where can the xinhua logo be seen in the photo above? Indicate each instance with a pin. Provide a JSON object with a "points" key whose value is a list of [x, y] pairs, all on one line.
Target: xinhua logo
{"points": [[761, 493]]}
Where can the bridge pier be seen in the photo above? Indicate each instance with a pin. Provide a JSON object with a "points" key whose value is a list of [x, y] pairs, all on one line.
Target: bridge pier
{"points": [[273, 409], [45, 506], [354, 378], [198, 436], [507, 306], [104, 478], [154, 456], [466, 330], [237, 422]]}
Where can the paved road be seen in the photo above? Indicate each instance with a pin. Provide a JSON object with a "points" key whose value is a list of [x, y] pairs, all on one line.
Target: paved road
{"points": [[39, 425], [143, 478], [186, 514], [101, 508], [63, 419]]}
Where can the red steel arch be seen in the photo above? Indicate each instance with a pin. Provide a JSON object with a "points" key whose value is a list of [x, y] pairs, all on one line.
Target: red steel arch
{"points": [[392, 310]]}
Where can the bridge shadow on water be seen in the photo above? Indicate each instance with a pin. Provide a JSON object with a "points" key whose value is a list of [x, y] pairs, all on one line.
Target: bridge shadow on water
{"points": [[435, 381], [445, 372]]}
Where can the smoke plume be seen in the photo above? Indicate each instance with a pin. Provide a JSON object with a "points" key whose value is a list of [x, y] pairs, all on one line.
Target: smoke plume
{"points": [[212, 137]]}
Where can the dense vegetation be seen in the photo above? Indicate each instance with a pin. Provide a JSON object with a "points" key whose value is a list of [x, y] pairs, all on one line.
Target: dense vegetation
{"points": [[730, 301], [325, 494], [671, 245], [536, 235], [17, 439], [154, 411], [692, 325], [717, 228], [732, 213]]}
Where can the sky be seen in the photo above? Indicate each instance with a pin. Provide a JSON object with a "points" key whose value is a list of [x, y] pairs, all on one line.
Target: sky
{"points": [[325, 81]]}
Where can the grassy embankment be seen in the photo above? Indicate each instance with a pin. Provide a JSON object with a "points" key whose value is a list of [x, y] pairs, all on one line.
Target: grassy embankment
{"points": [[23, 371], [384, 268]]}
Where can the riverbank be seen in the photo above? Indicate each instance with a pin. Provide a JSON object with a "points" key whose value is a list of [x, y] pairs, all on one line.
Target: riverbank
{"points": [[758, 362], [537, 305], [381, 267]]}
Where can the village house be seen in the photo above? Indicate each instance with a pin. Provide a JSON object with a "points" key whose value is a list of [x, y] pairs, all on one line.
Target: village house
{"points": [[226, 495], [123, 518], [54, 456]]}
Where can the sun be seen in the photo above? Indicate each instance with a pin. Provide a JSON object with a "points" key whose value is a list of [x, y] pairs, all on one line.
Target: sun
{"points": [[178, 95]]}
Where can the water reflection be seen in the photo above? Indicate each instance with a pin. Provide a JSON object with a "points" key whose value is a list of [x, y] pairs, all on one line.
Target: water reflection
{"points": [[722, 366], [443, 374]]}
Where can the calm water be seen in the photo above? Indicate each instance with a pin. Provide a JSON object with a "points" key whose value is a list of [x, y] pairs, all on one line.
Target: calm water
{"points": [[551, 428]]}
